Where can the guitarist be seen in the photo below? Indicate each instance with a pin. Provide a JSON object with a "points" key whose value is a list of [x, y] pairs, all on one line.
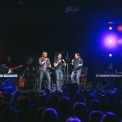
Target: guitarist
{"points": [[77, 64], [9, 64], [44, 65], [59, 63]]}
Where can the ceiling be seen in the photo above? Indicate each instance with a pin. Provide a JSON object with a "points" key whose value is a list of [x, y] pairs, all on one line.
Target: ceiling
{"points": [[54, 10]]}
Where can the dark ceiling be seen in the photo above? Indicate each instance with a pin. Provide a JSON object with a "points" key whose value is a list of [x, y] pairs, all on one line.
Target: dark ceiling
{"points": [[50, 10]]}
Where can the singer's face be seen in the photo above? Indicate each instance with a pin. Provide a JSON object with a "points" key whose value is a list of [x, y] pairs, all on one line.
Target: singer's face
{"points": [[44, 54], [59, 56], [76, 56]]}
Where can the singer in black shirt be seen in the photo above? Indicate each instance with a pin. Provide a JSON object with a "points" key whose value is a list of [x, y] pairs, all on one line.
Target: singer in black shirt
{"points": [[77, 63], [59, 63]]}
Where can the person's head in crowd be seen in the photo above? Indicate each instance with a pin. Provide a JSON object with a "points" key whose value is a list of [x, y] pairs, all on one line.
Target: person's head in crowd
{"points": [[113, 99], [15, 96], [49, 115], [78, 98], [81, 111], [72, 119], [54, 99], [110, 117], [23, 103], [7, 97], [103, 100], [95, 105], [9, 114], [42, 100], [64, 104], [3, 106], [35, 99], [95, 116], [39, 113], [89, 98]]}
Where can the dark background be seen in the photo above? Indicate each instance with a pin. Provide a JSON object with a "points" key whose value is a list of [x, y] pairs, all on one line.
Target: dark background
{"points": [[28, 27]]}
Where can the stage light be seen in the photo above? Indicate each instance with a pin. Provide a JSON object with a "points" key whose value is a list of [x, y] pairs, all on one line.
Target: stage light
{"points": [[110, 28], [110, 55], [110, 41]]}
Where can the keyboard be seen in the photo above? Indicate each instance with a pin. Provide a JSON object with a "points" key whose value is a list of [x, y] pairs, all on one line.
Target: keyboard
{"points": [[109, 75], [8, 75]]}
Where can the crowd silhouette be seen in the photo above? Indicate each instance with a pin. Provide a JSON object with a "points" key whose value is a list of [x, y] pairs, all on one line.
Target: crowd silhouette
{"points": [[80, 106]]}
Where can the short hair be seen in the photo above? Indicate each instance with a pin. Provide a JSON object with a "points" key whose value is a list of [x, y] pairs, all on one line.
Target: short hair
{"points": [[72, 119], [80, 110], [44, 52], [49, 115], [59, 53], [110, 117], [95, 116], [9, 114], [78, 54]]}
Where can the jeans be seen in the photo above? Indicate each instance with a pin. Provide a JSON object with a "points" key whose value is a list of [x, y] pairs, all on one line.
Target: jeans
{"points": [[47, 74], [59, 78], [76, 74]]}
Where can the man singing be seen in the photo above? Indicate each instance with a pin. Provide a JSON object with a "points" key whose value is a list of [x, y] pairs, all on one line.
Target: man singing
{"points": [[77, 63], [59, 63], [44, 64]]}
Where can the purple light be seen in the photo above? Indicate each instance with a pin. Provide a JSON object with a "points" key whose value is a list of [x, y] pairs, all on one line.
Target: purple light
{"points": [[110, 41], [119, 28], [120, 41], [110, 22], [110, 28], [110, 55]]}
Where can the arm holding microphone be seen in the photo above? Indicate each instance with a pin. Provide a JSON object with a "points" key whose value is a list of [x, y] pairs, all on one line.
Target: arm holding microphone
{"points": [[42, 62], [72, 63], [56, 63], [64, 62]]}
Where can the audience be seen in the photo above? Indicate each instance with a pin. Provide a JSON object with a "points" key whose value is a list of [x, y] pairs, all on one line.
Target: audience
{"points": [[82, 106]]}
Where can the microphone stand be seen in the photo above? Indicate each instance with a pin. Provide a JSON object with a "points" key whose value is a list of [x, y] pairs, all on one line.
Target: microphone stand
{"points": [[67, 68]]}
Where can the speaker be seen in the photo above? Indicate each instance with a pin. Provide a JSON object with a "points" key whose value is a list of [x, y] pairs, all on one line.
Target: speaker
{"points": [[70, 87]]}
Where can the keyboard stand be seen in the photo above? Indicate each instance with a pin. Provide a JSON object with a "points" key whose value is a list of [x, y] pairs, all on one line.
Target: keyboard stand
{"points": [[108, 79]]}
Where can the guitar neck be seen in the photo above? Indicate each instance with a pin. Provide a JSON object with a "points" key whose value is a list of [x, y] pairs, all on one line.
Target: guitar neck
{"points": [[16, 67]]}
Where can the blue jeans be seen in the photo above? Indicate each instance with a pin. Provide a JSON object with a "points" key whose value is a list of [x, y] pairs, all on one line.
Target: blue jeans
{"points": [[75, 76], [47, 74], [59, 78]]}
